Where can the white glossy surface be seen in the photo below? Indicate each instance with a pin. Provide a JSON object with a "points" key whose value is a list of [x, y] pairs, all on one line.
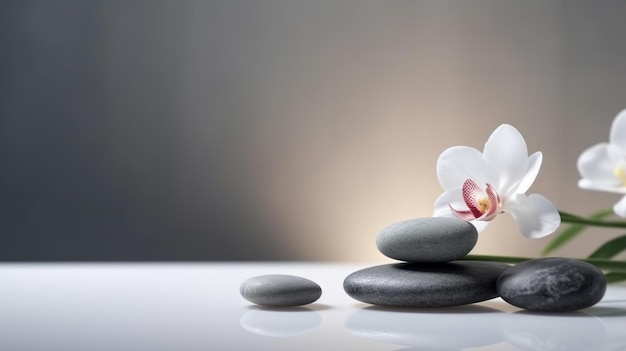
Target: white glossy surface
{"points": [[197, 306]]}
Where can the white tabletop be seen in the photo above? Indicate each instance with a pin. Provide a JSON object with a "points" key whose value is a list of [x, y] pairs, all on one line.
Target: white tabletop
{"points": [[197, 306]]}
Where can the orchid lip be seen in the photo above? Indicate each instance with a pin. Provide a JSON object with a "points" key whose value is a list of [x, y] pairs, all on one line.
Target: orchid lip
{"points": [[482, 204]]}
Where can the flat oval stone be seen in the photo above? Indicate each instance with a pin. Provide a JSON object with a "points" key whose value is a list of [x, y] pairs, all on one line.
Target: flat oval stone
{"points": [[552, 285], [280, 290], [432, 239], [425, 284]]}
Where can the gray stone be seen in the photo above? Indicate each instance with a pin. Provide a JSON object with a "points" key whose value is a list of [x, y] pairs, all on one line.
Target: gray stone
{"points": [[552, 285], [432, 239], [280, 290], [425, 284]]}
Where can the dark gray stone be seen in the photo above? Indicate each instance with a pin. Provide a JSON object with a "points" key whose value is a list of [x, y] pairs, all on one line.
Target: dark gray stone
{"points": [[425, 284], [432, 239], [552, 285], [280, 290]]}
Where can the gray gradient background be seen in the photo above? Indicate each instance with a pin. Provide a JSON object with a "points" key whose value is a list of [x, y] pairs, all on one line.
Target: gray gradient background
{"points": [[284, 130]]}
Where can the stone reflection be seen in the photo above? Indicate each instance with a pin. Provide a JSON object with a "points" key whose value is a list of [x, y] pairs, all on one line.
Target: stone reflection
{"points": [[553, 332], [280, 322], [448, 328]]}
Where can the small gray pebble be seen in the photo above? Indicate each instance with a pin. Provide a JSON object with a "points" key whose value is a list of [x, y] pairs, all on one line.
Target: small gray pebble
{"points": [[552, 285], [280, 290], [432, 239], [425, 284]]}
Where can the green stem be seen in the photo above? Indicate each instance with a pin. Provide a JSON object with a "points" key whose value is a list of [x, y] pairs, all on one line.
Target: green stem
{"points": [[609, 265], [573, 219], [567, 214]]}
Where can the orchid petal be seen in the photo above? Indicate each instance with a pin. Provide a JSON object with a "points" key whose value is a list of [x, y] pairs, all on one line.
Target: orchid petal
{"points": [[535, 215], [480, 225], [456, 164], [610, 187], [532, 170], [449, 198], [506, 154], [595, 165], [620, 207], [618, 130], [615, 155]]}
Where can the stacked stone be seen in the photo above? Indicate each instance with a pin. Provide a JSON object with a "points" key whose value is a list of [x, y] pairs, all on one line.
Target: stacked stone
{"points": [[432, 274]]}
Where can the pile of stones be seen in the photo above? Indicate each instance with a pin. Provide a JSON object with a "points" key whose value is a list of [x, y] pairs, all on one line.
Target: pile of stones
{"points": [[432, 273]]}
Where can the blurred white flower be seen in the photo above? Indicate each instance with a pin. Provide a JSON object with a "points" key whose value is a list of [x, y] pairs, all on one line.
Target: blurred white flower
{"points": [[603, 166], [479, 186]]}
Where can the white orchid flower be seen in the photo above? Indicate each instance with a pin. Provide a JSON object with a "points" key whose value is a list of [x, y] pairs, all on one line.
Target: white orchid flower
{"points": [[479, 186], [603, 166]]}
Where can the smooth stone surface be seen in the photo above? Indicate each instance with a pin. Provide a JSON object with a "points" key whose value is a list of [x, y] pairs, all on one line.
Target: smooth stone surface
{"points": [[425, 284], [280, 290], [432, 239], [552, 285]]}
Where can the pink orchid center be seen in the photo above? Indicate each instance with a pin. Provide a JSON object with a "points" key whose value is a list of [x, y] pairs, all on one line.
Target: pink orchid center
{"points": [[482, 204]]}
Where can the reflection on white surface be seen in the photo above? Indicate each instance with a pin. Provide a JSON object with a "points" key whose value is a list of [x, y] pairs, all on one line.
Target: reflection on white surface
{"points": [[280, 322], [441, 328], [164, 307], [72, 307], [553, 332]]}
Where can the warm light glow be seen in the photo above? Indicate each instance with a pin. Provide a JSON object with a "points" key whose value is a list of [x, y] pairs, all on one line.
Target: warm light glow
{"points": [[339, 136]]}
